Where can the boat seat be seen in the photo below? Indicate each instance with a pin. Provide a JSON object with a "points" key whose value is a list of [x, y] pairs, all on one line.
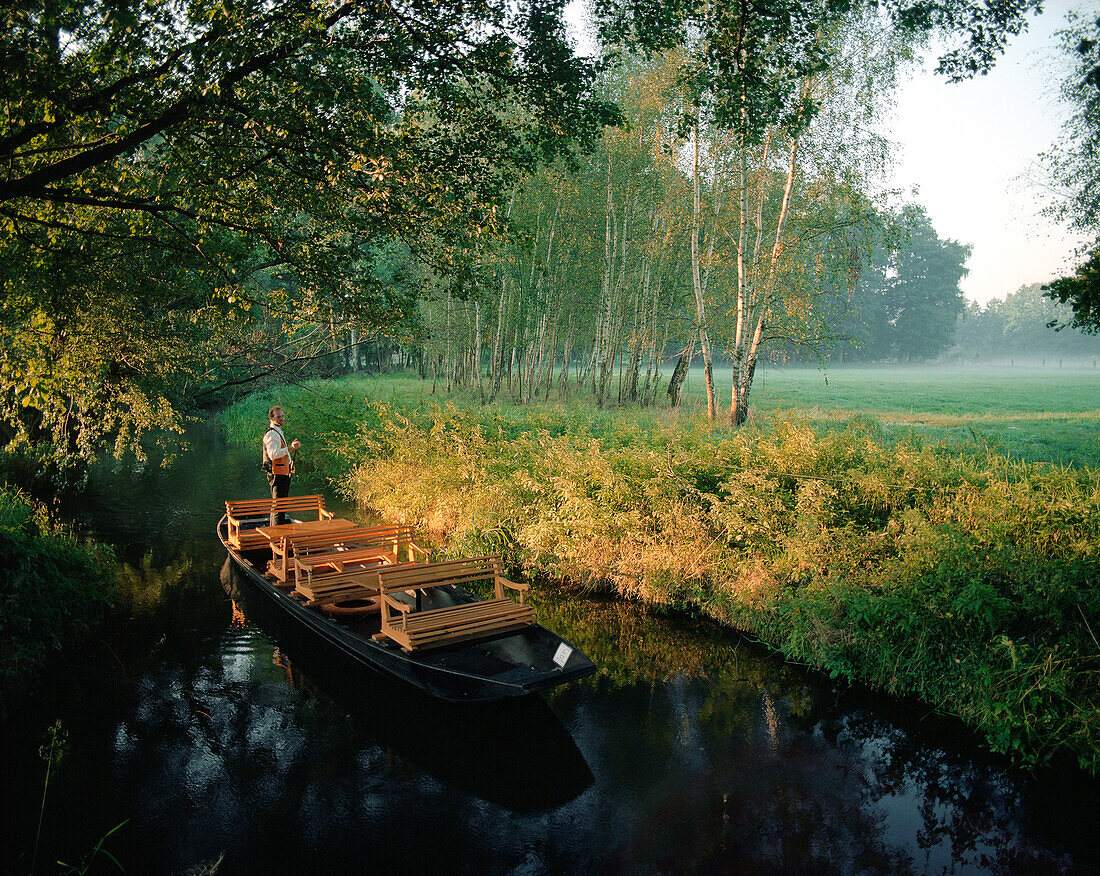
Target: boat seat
{"points": [[358, 583], [361, 545], [282, 548], [308, 565], [429, 628], [239, 510]]}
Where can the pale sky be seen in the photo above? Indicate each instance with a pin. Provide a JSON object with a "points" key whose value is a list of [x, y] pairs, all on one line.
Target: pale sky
{"points": [[968, 149]]}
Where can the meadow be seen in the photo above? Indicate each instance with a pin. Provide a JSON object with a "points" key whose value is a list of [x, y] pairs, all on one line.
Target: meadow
{"points": [[882, 544], [1030, 412]]}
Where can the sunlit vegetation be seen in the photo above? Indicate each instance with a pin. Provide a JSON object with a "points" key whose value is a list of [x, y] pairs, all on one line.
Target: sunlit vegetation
{"points": [[195, 196], [53, 588], [202, 198], [1030, 413], [943, 571]]}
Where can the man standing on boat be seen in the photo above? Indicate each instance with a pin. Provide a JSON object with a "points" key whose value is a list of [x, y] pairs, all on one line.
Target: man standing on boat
{"points": [[278, 461]]}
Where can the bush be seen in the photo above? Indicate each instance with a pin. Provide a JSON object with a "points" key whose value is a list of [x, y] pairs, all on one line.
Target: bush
{"points": [[968, 582], [52, 588], [940, 571]]}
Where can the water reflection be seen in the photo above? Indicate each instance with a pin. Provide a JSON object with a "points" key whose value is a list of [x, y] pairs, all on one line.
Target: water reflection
{"points": [[224, 738], [515, 754]]}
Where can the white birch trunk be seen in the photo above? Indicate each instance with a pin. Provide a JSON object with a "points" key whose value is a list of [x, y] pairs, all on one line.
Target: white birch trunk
{"points": [[697, 279]]}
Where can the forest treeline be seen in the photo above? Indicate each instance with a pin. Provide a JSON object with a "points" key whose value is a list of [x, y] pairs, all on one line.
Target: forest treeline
{"points": [[197, 199], [1025, 326]]}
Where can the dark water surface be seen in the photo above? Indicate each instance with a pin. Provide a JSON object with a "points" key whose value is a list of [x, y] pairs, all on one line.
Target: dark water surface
{"points": [[224, 742]]}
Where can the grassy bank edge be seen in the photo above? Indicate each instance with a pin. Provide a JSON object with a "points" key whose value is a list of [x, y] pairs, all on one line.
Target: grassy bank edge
{"points": [[53, 591], [943, 572]]}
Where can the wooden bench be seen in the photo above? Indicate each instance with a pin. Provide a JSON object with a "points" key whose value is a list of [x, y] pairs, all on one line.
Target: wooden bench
{"points": [[433, 627], [359, 582], [237, 511], [281, 564], [366, 546]]}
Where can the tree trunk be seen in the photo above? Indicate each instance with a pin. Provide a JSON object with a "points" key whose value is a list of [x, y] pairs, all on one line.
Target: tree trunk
{"points": [[679, 374], [566, 360], [606, 290], [745, 364], [697, 280], [477, 349]]}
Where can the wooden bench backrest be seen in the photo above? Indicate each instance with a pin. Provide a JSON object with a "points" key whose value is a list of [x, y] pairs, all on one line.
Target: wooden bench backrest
{"points": [[254, 507], [435, 627], [458, 572], [323, 541], [361, 536], [238, 509]]}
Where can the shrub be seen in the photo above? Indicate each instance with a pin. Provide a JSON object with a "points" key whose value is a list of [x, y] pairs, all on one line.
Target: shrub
{"points": [[52, 589], [968, 582], [940, 571]]}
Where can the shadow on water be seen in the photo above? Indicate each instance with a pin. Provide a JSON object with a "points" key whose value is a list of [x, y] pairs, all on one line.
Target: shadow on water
{"points": [[513, 753], [218, 736]]}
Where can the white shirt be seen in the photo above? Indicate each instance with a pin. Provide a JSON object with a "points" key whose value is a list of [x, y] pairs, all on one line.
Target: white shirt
{"points": [[274, 444]]}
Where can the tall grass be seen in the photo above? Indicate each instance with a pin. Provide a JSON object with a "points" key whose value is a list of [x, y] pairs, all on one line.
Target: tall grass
{"points": [[947, 572], [52, 589]]}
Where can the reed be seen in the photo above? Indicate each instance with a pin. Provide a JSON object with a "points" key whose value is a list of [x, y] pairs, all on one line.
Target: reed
{"points": [[943, 571]]}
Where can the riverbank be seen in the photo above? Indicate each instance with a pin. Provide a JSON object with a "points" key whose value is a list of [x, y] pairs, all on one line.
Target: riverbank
{"points": [[54, 590], [941, 571]]}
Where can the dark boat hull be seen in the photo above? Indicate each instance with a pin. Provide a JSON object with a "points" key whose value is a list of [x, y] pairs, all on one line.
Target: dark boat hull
{"points": [[511, 665]]}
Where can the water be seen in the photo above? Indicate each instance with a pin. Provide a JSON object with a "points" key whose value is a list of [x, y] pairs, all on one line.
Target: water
{"points": [[220, 741]]}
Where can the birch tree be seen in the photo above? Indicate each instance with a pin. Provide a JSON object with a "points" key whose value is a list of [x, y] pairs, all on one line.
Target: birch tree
{"points": [[762, 72]]}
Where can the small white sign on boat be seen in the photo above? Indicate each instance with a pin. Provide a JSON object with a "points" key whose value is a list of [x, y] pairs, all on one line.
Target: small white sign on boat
{"points": [[561, 656]]}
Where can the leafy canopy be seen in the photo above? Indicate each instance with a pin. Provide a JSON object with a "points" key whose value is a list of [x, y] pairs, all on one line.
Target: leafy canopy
{"points": [[752, 55], [1075, 168], [180, 179]]}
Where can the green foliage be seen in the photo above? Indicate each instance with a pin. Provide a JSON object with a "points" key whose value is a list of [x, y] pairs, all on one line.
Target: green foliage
{"points": [[52, 588], [88, 861], [937, 571], [1027, 325], [325, 415], [195, 195], [908, 302], [1074, 165], [1081, 291], [1074, 162]]}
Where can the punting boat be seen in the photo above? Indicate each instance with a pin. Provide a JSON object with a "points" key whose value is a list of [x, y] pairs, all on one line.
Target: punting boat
{"points": [[460, 745], [366, 592]]}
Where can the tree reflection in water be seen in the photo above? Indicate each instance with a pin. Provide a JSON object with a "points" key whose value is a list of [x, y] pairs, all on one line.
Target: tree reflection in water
{"points": [[217, 733], [758, 766], [690, 751]]}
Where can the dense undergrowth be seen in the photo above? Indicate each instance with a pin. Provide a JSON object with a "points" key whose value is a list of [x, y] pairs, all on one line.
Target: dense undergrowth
{"points": [[945, 572], [53, 589]]}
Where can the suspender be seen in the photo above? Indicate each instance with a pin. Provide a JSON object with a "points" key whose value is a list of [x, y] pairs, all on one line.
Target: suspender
{"points": [[281, 464]]}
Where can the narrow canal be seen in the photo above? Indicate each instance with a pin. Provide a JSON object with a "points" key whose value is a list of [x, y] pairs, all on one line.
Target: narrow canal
{"points": [[220, 743]]}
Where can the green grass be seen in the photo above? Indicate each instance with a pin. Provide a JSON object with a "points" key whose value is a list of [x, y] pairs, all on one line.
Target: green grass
{"points": [[1033, 414], [933, 390], [941, 569]]}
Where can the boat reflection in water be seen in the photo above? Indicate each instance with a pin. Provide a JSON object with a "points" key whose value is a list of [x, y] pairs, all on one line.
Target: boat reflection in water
{"points": [[514, 753], [689, 750]]}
